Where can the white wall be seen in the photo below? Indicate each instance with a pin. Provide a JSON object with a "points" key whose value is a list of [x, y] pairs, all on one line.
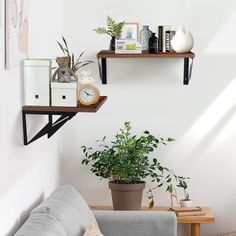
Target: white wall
{"points": [[27, 173], [149, 93]]}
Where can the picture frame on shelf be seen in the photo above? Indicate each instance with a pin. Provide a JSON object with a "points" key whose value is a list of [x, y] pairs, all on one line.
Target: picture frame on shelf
{"points": [[130, 31]]}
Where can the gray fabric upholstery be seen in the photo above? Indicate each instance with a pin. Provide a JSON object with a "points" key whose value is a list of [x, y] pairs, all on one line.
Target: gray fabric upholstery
{"points": [[136, 223], [69, 208], [65, 213], [43, 224]]}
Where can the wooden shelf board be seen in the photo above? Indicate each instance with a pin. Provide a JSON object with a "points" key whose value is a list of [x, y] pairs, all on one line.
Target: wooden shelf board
{"points": [[145, 54], [79, 108]]}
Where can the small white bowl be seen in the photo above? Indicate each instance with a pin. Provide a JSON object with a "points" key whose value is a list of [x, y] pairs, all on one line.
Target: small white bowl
{"points": [[185, 203]]}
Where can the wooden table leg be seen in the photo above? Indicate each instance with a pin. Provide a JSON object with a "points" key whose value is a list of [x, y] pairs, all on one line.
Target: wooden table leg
{"points": [[195, 229]]}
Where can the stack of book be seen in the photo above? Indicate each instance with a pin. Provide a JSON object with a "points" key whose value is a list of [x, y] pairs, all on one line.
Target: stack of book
{"points": [[188, 211], [125, 46], [165, 35]]}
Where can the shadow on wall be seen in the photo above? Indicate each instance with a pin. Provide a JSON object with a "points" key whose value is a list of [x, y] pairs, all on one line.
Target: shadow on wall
{"points": [[24, 216]]}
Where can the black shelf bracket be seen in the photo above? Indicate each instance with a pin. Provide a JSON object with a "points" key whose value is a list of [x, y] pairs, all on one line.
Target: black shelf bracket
{"points": [[50, 128], [103, 70], [188, 67]]}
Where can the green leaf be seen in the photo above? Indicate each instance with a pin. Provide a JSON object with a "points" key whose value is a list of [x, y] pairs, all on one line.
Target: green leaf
{"points": [[169, 180], [101, 30], [61, 47], [170, 139], [73, 60], [64, 40], [82, 53]]}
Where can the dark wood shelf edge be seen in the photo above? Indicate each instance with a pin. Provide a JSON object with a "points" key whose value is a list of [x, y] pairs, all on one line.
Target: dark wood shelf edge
{"points": [[144, 54], [79, 108], [65, 113]]}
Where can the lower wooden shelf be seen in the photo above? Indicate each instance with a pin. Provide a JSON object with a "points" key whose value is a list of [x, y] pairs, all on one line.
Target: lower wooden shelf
{"points": [[65, 113]]}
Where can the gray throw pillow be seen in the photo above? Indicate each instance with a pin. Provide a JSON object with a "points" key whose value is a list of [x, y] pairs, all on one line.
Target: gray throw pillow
{"points": [[69, 208]]}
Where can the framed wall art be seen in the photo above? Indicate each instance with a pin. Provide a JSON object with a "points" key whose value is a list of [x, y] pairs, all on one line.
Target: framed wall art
{"points": [[130, 31], [16, 35]]}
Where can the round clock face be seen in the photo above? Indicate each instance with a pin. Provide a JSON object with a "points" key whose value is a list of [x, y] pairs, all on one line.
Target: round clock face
{"points": [[88, 94]]}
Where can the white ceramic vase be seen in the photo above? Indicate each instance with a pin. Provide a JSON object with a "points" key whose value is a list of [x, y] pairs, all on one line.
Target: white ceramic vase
{"points": [[182, 41], [185, 203]]}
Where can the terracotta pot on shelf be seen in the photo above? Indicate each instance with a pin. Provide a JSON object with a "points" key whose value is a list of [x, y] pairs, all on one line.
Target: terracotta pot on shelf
{"points": [[126, 197]]}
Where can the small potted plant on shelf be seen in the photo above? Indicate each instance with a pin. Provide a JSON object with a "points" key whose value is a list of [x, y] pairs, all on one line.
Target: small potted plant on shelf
{"points": [[126, 163], [74, 63], [186, 201], [113, 29]]}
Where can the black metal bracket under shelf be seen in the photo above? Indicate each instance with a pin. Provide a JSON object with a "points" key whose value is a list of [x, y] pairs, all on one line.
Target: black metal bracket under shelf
{"points": [[188, 67], [50, 128]]}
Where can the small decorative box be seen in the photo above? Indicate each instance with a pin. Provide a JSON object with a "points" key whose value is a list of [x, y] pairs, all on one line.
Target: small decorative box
{"points": [[64, 94]]}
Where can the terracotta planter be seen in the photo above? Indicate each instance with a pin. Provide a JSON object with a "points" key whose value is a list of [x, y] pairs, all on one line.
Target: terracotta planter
{"points": [[127, 197]]}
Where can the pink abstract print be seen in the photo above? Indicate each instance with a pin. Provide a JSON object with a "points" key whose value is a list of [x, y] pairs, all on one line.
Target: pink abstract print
{"points": [[17, 27]]}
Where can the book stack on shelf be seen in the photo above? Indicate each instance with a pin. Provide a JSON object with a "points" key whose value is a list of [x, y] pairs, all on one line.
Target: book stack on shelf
{"points": [[165, 35], [188, 211]]}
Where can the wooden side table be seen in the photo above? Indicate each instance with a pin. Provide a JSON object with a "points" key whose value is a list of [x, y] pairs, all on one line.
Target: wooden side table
{"points": [[194, 221]]}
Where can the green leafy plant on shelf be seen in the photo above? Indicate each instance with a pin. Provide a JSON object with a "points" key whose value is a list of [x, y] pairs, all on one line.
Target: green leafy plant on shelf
{"points": [[74, 63], [113, 29], [126, 161]]}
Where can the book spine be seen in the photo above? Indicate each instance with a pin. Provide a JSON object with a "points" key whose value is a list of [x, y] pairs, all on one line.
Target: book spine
{"points": [[165, 28], [168, 41], [190, 213], [136, 51], [172, 34], [160, 38]]}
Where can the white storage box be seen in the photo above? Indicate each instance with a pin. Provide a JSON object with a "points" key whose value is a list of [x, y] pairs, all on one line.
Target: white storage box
{"points": [[37, 75], [64, 94]]}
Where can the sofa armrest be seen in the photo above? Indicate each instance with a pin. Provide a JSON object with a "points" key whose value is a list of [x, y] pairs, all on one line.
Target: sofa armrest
{"points": [[136, 223]]}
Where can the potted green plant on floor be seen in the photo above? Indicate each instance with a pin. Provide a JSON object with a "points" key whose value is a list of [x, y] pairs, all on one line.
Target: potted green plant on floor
{"points": [[126, 163], [113, 29]]}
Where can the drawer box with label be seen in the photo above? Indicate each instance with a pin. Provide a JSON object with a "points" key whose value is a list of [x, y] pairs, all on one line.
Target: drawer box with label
{"points": [[37, 75], [64, 94]]}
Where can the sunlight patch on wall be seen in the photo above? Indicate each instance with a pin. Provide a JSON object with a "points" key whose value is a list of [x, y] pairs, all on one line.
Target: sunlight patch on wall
{"points": [[214, 116], [224, 41]]}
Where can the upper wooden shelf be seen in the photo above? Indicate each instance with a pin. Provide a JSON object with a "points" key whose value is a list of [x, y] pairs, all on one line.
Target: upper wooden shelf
{"points": [[107, 54], [54, 109], [145, 54]]}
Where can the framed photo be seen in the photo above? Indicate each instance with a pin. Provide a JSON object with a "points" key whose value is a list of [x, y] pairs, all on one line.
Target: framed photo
{"points": [[130, 31], [16, 36]]}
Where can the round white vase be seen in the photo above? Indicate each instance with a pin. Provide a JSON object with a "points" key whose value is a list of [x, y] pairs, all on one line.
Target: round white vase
{"points": [[182, 41]]}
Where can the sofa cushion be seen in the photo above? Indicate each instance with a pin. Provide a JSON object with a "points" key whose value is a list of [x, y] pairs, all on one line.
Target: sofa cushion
{"points": [[69, 208], [42, 224]]}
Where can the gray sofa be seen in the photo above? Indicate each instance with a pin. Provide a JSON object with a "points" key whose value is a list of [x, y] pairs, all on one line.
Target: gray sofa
{"points": [[65, 213]]}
